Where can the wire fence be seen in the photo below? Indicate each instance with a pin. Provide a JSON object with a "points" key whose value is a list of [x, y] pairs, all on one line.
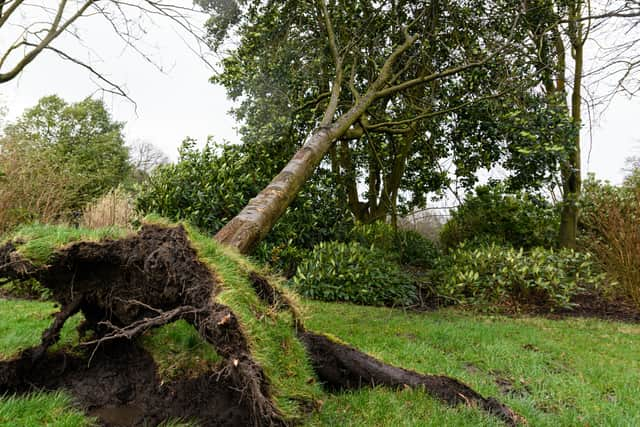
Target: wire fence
{"points": [[427, 221]]}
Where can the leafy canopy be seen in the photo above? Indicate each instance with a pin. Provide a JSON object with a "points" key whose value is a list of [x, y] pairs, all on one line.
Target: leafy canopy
{"points": [[81, 140]]}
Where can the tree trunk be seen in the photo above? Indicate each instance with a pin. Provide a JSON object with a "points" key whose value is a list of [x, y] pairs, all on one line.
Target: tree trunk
{"points": [[571, 183], [571, 172]]}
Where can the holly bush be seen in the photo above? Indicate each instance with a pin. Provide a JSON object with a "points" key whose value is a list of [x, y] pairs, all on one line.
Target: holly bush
{"points": [[499, 275], [338, 271]]}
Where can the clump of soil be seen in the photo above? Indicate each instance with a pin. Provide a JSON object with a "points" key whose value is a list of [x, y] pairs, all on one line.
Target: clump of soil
{"points": [[128, 286], [120, 386]]}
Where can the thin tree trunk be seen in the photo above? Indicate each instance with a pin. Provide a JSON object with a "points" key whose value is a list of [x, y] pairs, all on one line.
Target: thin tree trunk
{"points": [[250, 226], [571, 172]]}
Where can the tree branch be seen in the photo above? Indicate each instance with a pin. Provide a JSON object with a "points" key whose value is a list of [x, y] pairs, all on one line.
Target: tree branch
{"points": [[6, 14], [315, 101], [431, 77], [115, 88], [337, 59], [54, 31]]}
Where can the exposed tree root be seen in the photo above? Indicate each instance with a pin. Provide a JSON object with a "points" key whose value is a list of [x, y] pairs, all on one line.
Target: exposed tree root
{"points": [[342, 367], [52, 335], [125, 287]]}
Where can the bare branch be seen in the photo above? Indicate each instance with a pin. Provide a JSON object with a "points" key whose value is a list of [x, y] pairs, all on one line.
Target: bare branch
{"points": [[54, 31], [138, 327], [337, 59], [116, 89], [6, 14]]}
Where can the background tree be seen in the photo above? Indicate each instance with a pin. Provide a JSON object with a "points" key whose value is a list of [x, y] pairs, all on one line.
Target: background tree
{"points": [[145, 158], [559, 31], [75, 152]]}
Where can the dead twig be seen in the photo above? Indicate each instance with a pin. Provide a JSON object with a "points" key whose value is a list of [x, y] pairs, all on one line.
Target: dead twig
{"points": [[137, 328]]}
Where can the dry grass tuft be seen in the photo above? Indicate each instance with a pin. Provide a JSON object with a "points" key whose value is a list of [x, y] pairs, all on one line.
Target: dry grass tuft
{"points": [[113, 209], [32, 189]]}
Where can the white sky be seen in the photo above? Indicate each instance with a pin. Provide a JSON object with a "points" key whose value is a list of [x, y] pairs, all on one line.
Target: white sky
{"points": [[180, 101]]}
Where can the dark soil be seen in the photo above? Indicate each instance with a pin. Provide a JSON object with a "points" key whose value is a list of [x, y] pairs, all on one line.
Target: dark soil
{"points": [[120, 386], [342, 367], [587, 305], [126, 287], [597, 306]]}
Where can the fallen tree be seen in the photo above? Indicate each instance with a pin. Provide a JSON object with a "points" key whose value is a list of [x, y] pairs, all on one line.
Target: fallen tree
{"points": [[127, 286]]}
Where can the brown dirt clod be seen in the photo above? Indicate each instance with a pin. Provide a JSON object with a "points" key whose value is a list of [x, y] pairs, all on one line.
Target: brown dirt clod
{"points": [[123, 288]]}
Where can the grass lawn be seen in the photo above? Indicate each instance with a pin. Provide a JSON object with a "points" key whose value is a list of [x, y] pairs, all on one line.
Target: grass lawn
{"points": [[574, 372], [556, 373]]}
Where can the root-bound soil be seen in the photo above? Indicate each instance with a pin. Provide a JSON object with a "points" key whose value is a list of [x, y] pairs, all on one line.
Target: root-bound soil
{"points": [[120, 386], [128, 286]]}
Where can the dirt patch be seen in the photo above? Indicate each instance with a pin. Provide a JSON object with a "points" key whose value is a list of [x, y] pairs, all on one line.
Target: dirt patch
{"points": [[472, 369], [121, 387], [588, 305], [506, 384], [509, 385], [597, 306], [268, 293]]}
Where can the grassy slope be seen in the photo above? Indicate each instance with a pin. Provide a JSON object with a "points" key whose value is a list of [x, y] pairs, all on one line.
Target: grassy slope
{"points": [[177, 348], [270, 332], [564, 373], [569, 372], [39, 240]]}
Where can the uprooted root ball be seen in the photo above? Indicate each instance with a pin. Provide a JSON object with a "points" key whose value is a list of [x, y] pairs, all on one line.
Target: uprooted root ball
{"points": [[125, 287]]}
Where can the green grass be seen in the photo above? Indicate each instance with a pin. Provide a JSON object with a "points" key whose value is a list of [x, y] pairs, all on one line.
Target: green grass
{"points": [[40, 240], [573, 372], [23, 322], [41, 409], [179, 351], [563, 372]]}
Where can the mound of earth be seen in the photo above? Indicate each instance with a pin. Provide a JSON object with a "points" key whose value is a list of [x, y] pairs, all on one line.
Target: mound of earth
{"points": [[126, 286], [121, 387]]}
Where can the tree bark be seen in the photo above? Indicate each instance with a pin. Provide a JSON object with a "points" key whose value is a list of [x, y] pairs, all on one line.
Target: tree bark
{"points": [[571, 171]]}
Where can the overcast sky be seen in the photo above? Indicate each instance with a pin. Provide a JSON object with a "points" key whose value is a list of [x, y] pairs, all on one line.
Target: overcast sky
{"points": [[180, 102]]}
